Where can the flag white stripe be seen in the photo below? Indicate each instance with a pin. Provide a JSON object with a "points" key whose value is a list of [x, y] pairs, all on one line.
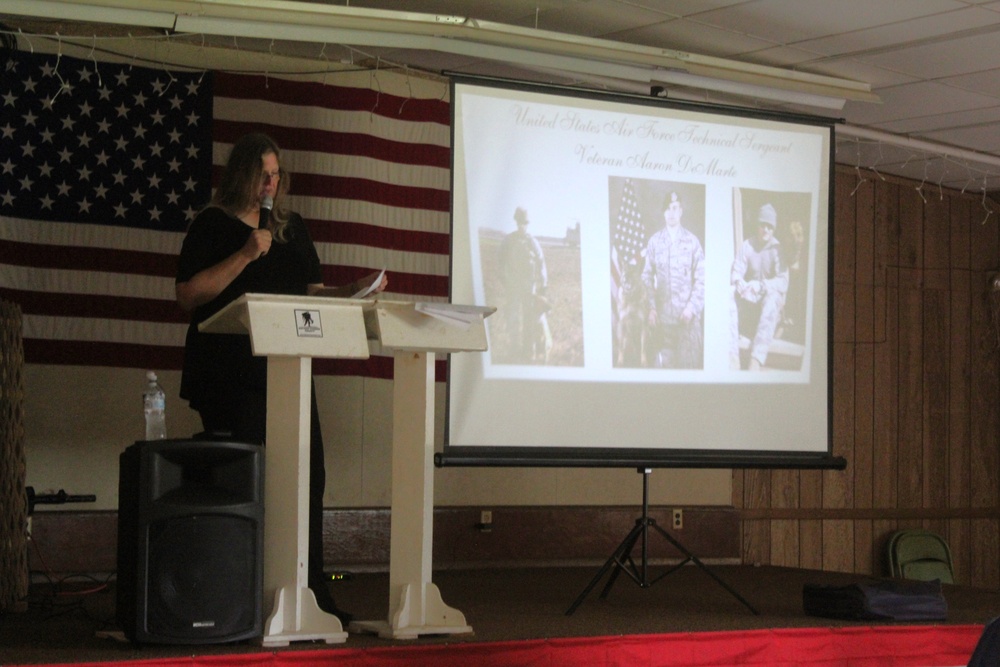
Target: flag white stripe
{"points": [[77, 234], [342, 254], [361, 166], [70, 281], [379, 215], [353, 166], [102, 330]]}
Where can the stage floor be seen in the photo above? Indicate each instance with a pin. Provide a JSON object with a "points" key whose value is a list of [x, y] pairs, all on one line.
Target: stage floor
{"points": [[66, 623]]}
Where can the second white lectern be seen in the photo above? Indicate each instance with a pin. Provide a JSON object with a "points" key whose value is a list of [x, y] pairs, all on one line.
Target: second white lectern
{"points": [[414, 333]]}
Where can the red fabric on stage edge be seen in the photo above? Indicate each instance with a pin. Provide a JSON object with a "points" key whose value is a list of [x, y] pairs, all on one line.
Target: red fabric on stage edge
{"points": [[856, 646]]}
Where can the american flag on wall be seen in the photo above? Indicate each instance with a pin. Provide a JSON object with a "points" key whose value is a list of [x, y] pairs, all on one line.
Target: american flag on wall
{"points": [[103, 165]]}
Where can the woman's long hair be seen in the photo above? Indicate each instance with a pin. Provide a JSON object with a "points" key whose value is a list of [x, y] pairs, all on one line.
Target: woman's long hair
{"points": [[241, 180]]}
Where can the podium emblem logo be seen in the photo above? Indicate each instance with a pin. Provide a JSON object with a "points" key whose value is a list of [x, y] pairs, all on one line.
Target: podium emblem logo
{"points": [[307, 323]]}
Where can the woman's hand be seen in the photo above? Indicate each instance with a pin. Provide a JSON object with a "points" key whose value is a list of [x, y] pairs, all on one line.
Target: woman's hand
{"points": [[369, 279], [257, 245], [348, 291], [209, 283]]}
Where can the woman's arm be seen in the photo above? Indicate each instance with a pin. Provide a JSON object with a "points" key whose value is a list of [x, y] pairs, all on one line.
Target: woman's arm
{"points": [[209, 283]]}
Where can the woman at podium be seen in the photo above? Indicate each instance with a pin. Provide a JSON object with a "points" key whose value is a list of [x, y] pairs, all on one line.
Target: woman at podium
{"points": [[245, 241]]}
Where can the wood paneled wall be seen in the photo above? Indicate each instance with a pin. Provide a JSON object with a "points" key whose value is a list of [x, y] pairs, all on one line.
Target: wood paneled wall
{"points": [[916, 395]]}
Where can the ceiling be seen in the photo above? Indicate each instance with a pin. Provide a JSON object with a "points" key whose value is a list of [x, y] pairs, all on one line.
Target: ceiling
{"points": [[933, 64]]}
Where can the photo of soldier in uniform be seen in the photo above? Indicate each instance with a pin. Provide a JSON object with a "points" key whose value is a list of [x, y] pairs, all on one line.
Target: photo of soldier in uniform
{"points": [[657, 273], [767, 279], [534, 278]]}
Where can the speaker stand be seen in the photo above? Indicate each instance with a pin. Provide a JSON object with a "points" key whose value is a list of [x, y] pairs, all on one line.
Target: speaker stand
{"points": [[621, 559]]}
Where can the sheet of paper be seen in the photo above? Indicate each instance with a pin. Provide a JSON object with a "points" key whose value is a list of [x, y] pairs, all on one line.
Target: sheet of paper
{"points": [[365, 291], [457, 315]]}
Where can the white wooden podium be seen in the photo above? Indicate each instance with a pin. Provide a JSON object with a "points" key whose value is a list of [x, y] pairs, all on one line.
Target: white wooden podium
{"points": [[290, 331], [415, 604]]}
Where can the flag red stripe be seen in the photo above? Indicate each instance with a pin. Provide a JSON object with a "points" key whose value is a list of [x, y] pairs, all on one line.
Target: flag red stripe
{"points": [[355, 233], [363, 189], [89, 353], [309, 94], [338, 143], [399, 282], [82, 258], [96, 306], [77, 258], [157, 310], [372, 191]]}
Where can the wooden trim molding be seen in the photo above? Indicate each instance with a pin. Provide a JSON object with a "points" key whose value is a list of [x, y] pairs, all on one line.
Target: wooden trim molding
{"points": [[358, 538]]}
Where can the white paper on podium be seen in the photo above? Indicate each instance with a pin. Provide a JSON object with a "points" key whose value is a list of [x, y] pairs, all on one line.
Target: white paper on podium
{"points": [[459, 316]]}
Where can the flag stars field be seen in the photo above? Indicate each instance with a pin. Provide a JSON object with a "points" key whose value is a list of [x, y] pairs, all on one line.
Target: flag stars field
{"points": [[91, 136]]}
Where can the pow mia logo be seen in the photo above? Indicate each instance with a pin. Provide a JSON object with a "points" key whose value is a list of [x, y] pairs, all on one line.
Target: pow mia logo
{"points": [[307, 323]]}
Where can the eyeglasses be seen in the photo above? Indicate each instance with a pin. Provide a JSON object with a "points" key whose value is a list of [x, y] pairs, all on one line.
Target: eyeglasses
{"points": [[270, 176]]}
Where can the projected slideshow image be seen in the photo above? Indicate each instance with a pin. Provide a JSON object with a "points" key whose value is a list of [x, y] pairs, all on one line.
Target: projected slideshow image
{"points": [[532, 272], [660, 274]]}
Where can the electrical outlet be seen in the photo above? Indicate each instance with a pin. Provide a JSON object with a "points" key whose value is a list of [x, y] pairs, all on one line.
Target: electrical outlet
{"points": [[485, 524], [678, 521]]}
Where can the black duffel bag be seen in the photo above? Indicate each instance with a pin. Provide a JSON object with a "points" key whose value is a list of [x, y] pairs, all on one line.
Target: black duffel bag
{"points": [[892, 600]]}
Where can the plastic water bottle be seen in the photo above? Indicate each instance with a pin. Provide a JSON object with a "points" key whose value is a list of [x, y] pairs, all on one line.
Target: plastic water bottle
{"points": [[154, 403]]}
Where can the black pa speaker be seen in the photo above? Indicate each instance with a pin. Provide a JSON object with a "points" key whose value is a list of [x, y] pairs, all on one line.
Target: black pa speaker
{"points": [[190, 541]]}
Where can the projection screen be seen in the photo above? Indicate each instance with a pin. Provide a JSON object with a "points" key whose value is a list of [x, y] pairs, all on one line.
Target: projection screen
{"points": [[661, 277]]}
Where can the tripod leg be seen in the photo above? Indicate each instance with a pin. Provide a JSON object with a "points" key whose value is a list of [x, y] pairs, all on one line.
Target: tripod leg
{"points": [[624, 548], [704, 568], [623, 556]]}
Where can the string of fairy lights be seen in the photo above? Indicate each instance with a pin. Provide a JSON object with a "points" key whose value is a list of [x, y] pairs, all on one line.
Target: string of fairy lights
{"points": [[872, 153]]}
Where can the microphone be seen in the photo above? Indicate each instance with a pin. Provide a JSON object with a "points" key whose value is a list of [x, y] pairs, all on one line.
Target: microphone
{"points": [[265, 212]]}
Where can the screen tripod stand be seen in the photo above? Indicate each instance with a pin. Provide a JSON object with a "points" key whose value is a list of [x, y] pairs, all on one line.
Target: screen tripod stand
{"points": [[621, 559]]}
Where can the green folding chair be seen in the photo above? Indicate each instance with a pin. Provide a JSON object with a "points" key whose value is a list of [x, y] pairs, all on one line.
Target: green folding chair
{"points": [[920, 555]]}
